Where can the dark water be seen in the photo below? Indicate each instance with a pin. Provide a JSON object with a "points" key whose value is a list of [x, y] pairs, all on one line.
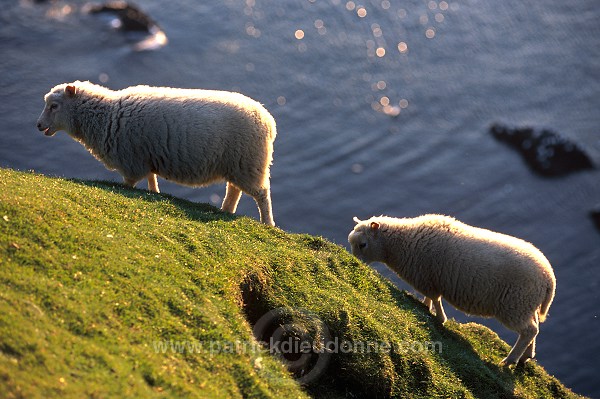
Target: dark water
{"points": [[337, 155]]}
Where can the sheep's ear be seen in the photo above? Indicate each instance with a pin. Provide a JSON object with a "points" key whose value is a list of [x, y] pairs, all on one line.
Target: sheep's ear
{"points": [[70, 90], [356, 220], [374, 226]]}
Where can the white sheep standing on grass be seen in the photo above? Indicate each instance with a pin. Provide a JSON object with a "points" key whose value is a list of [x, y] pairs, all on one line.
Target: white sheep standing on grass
{"points": [[192, 137], [478, 271]]}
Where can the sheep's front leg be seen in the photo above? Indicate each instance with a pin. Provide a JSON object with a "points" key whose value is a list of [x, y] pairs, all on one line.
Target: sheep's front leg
{"points": [[427, 302], [153, 183], [129, 182], [439, 310], [232, 198]]}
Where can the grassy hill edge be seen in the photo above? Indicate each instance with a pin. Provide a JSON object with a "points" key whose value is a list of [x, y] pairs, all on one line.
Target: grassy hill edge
{"points": [[99, 282]]}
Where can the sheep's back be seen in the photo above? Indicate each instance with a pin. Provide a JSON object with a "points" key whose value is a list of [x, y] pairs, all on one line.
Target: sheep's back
{"points": [[484, 269], [191, 135]]}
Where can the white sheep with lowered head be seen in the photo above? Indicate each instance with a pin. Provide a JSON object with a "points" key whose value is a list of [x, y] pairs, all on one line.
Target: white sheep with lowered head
{"points": [[478, 271], [190, 136]]}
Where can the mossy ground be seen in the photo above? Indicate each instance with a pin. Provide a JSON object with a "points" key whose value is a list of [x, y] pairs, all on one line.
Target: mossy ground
{"points": [[95, 277]]}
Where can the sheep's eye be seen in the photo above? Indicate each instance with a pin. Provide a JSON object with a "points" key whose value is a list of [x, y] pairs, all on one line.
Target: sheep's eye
{"points": [[362, 245], [53, 106]]}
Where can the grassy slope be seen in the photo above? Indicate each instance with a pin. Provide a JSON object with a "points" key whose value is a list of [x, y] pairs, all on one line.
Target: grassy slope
{"points": [[92, 274]]}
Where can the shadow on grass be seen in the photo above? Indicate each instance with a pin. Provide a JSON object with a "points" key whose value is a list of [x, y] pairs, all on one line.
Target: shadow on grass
{"points": [[200, 212], [483, 378]]}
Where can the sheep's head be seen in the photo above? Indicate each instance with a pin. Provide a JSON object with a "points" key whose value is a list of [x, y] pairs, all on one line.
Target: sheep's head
{"points": [[55, 115], [365, 242]]}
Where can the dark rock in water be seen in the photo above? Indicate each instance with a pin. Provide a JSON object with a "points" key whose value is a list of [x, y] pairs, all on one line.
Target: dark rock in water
{"points": [[595, 215], [546, 152], [130, 16]]}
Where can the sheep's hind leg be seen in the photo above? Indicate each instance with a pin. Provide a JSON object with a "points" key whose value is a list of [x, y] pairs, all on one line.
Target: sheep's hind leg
{"points": [[263, 200], [232, 197], [525, 343], [439, 310], [529, 352], [153, 183]]}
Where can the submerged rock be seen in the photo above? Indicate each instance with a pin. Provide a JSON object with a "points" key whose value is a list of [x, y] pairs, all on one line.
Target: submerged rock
{"points": [[546, 152], [595, 215], [129, 18]]}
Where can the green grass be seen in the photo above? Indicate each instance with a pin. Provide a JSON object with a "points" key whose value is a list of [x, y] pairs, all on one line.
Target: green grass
{"points": [[93, 276]]}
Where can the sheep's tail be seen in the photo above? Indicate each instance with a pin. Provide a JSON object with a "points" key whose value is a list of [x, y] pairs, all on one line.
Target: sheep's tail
{"points": [[543, 311]]}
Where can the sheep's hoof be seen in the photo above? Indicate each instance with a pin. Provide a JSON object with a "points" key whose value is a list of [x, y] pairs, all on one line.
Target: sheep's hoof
{"points": [[523, 361], [506, 362], [442, 320]]}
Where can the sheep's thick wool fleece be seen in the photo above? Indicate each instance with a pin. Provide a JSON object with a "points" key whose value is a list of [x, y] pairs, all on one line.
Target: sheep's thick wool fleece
{"points": [[481, 272], [175, 131]]}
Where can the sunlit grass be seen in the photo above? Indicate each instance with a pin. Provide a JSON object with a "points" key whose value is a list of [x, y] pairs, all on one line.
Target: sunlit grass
{"points": [[94, 275]]}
